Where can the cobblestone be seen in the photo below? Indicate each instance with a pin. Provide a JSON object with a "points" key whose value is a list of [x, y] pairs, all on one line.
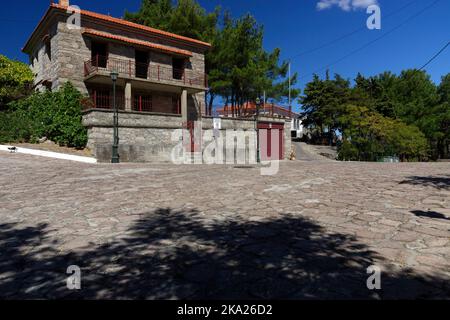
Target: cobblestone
{"points": [[168, 232]]}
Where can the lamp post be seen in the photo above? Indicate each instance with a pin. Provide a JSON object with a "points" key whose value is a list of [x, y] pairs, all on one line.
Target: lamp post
{"points": [[115, 146], [258, 102]]}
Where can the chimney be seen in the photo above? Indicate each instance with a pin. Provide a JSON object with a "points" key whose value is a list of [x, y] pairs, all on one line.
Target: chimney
{"points": [[64, 3]]}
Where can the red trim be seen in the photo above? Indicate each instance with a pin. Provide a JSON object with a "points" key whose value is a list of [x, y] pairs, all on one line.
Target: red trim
{"points": [[147, 31], [135, 25]]}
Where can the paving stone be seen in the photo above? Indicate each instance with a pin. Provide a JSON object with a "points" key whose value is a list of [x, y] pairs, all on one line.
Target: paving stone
{"points": [[432, 260], [159, 231]]}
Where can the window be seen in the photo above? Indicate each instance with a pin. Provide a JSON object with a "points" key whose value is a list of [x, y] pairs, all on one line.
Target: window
{"points": [[48, 49], [99, 54], [142, 102], [178, 68]]}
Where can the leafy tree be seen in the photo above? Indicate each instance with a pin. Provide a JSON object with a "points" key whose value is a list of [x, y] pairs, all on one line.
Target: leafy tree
{"points": [[154, 13], [56, 115], [444, 89], [368, 136], [15, 80], [323, 101], [441, 119], [377, 93], [239, 68], [410, 101], [414, 93]]}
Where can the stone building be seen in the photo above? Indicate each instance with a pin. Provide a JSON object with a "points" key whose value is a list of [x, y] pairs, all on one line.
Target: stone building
{"points": [[161, 85]]}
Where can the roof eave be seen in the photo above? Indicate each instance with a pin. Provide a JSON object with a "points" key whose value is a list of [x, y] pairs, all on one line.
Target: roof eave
{"points": [[183, 53], [140, 27], [36, 30], [173, 37]]}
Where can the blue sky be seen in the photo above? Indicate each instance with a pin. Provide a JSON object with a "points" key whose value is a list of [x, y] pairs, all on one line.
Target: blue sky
{"points": [[297, 26]]}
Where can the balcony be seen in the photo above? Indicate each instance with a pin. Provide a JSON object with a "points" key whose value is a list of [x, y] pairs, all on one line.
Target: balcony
{"points": [[145, 72], [137, 103]]}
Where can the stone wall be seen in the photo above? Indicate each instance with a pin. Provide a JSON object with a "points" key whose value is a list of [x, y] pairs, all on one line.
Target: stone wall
{"points": [[74, 49], [70, 50], [148, 137], [43, 65]]}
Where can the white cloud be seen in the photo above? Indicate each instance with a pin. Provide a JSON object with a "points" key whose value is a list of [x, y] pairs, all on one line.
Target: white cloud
{"points": [[346, 5]]}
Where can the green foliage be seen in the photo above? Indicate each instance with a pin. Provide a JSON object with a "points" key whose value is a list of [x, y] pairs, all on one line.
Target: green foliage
{"points": [[17, 127], [238, 67], [15, 78], [382, 115], [186, 18], [368, 136], [323, 103], [56, 115]]}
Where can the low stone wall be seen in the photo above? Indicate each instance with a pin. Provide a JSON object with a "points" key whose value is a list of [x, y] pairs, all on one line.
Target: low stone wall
{"points": [[148, 137]]}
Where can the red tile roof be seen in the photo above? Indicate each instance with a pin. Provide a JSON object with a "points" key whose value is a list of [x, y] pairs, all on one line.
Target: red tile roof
{"points": [[135, 25], [121, 22], [147, 44]]}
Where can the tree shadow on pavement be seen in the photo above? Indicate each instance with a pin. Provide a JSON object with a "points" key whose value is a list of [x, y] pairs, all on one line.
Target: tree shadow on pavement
{"points": [[430, 214], [183, 255], [439, 182]]}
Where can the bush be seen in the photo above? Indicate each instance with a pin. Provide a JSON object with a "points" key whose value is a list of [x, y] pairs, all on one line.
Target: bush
{"points": [[368, 136], [56, 115], [14, 127], [347, 152]]}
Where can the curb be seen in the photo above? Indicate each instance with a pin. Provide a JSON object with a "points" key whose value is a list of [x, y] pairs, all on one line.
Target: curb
{"points": [[49, 154]]}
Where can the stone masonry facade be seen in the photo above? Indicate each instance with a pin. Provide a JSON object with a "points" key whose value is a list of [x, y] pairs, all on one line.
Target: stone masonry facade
{"points": [[149, 137], [61, 52], [58, 55]]}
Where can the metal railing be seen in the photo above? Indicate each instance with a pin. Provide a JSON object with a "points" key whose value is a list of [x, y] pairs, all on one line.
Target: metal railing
{"points": [[249, 111], [104, 101], [140, 103], [148, 71]]}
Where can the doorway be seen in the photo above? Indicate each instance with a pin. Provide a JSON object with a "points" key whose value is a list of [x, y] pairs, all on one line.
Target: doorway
{"points": [[178, 68], [271, 141], [99, 54], [142, 62]]}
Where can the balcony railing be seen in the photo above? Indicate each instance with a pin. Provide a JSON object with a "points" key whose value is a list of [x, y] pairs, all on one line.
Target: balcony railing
{"points": [[270, 110], [99, 100], [148, 71]]}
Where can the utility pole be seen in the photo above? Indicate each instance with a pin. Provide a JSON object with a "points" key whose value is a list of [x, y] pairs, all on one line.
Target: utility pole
{"points": [[290, 106], [115, 146], [258, 102], [264, 100]]}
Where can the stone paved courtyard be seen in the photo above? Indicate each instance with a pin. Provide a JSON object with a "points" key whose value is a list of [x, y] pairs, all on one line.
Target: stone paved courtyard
{"points": [[177, 232]]}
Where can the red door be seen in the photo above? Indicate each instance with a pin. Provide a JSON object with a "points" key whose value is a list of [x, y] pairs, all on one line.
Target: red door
{"points": [[271, 141]]}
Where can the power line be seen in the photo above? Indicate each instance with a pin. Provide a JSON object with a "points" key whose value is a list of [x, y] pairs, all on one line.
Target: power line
{"points": [[347, 35], [435, 56], [377, 39]]}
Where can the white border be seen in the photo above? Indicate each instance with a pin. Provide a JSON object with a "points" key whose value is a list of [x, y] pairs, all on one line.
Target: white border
{"points": [[49, 154]]}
